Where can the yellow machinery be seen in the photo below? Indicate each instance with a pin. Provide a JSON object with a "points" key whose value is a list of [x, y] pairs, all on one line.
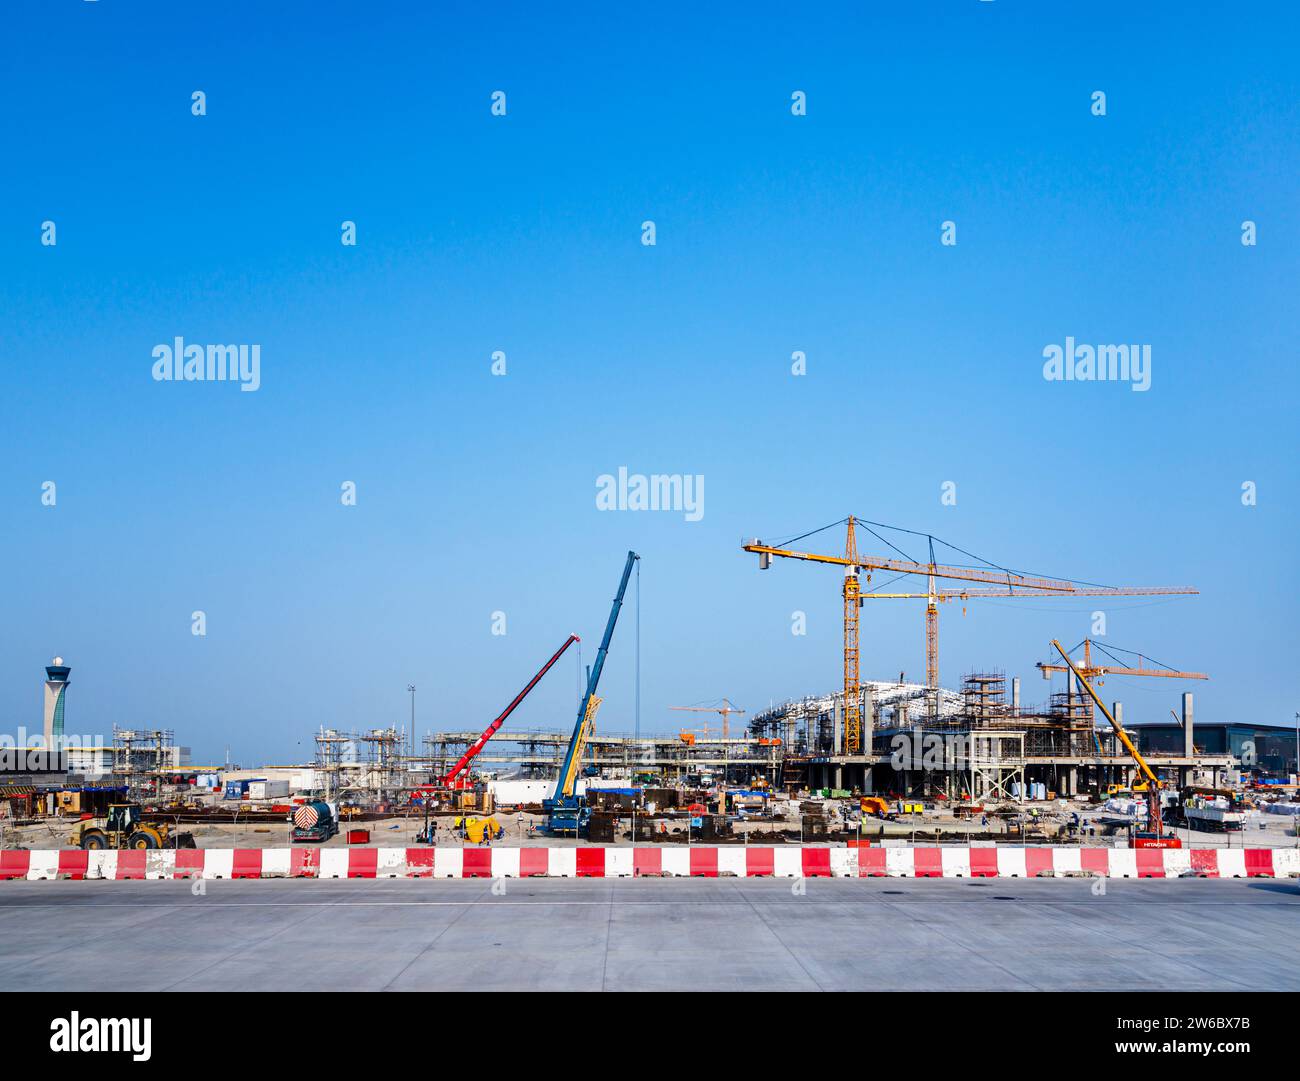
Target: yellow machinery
{"points": [[124, 828], [873, 805], [1150, 781], [476, 828]]}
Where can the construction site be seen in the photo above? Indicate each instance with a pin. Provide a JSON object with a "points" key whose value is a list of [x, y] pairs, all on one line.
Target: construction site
{"points": [[871, 763]]}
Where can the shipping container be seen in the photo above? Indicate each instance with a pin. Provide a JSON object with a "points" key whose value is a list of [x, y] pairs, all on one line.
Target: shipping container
{"points": [[268, 789]]}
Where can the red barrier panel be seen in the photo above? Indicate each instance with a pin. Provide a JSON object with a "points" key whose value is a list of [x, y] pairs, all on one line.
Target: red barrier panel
{"points": [[304, 862], [363, 862], [591, 863], [247, 863], [759, 863], [189, 863], [927, 863], [648, 861], [1150, 862], [1205, 862], [1038, 861], [476, 863], [704, 862], [419, 862], [130, 863], [984, 863], [533, 862], [871, 863], [14, 864], [73, 863], [1259, 863], [1094, 861], [817, 863]]}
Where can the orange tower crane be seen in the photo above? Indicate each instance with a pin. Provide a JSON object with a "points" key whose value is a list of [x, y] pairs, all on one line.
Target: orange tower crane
{"points": [[1007, 583], [726, 710]]}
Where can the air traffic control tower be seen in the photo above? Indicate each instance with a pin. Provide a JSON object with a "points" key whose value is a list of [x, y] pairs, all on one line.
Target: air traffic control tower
{"points": [[56, 689]]}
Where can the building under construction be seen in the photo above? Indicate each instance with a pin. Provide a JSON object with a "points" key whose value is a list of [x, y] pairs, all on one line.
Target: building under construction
{"points": [[979, 744]]}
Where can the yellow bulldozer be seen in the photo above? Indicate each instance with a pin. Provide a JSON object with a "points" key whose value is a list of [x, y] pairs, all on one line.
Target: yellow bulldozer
{"points": [[124, 827]]}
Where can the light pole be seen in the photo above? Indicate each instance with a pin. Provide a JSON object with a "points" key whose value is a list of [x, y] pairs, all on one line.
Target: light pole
{"points": [[411, 748]]}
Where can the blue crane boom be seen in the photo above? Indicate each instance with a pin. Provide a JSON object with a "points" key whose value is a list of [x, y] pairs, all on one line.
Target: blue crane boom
{"points": [[566, 811]]}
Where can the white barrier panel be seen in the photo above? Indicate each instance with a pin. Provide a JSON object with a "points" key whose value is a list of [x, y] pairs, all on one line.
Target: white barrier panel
{"points": [[1066, 861], [562, 862], [899, 863], [1011, 862], [1286, 862], [676, 861], [391, 863], [448, 862], [1232, 863], [218, 862], [102, 864], [505, 863], [618, 863], [844, 862], [333, 863], [275, 863], [1123, 863], [733, 861], [956, 862], [1178, 862], [43, 865], [787, 863]]}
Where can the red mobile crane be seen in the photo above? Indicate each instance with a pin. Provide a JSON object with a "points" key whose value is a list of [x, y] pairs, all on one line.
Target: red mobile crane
{"points": [[491, 729]]}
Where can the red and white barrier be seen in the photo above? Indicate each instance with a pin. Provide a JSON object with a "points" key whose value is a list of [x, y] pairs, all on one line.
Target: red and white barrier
{"points": [[668, 861]]}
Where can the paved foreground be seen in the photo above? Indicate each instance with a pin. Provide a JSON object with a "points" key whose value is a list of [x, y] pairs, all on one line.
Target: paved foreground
{"points": [[651, 934]]}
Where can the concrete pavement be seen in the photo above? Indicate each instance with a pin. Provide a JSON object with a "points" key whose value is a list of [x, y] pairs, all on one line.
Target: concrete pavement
{"points": [[651, 934]]}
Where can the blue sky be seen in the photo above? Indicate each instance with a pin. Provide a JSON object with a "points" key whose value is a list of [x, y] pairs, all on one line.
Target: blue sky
{"points": [[522, 233]]}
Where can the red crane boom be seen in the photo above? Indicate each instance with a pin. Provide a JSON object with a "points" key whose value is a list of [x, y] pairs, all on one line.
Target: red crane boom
{"points": [[491, 729]]}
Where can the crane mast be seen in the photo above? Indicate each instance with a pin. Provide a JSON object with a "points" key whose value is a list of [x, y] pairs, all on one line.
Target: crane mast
{"points": [[567, 812]]}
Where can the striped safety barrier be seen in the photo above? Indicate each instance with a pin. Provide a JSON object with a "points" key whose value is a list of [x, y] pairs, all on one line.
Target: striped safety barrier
{"points": [[671, 861]]}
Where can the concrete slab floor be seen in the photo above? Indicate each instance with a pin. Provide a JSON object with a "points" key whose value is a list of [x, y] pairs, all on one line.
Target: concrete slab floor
{"points": [[650, 934]]}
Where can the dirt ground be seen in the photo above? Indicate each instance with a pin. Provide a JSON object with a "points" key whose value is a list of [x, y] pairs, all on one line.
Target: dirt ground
{"points": [[1269, 831]]}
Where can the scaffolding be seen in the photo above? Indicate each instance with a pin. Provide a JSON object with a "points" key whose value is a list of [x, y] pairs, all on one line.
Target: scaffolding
{"points": [[142, 758]]}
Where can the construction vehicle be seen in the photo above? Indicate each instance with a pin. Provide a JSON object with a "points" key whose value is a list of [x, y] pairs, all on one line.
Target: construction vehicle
{"points": [[124, 827], [491, 729], [314, 821], [1202, 808], [566, 811], [875, 805], [1154, 835]]}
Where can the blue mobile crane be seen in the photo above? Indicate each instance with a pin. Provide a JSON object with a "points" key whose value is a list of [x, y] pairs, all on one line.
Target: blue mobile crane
{"points": [[566, 811]]}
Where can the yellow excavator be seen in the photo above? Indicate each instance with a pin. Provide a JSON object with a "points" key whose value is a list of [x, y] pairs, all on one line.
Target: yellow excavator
{"points": [[124, 827]]}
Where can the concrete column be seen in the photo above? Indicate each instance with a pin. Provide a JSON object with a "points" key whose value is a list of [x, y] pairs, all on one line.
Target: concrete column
{"points": [[1189, 748], [837, 740], [868, 720], [1015, 693]]}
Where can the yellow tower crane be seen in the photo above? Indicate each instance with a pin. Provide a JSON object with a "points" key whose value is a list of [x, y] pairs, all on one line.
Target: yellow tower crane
{"points": [[1002, 583]]}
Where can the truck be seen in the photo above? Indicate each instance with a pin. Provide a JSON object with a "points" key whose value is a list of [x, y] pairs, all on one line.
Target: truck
{"points": [[316, 821]]}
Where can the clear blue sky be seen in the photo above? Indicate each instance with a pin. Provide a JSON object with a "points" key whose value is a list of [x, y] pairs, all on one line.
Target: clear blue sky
{"points": [[522, 233]]}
